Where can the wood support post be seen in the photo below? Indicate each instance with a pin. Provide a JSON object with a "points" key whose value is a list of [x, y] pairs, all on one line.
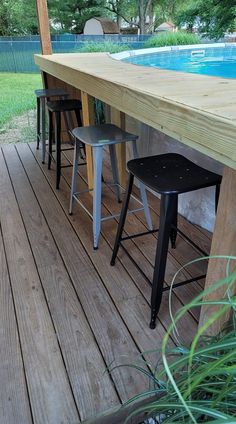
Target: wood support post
{"points": [[88, 119], [223, 243], [118, 118], [44, 30]]}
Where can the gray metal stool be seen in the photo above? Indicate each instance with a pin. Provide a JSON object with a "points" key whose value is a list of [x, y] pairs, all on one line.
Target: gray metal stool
{"points": [[41, 96], [97, 137]]}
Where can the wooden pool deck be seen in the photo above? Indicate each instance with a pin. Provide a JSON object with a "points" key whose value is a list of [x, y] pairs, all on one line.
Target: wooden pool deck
{"points": [[65, 314]]}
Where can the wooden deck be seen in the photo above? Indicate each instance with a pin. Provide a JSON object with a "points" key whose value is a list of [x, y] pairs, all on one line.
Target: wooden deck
{"points": [[65, 313]]}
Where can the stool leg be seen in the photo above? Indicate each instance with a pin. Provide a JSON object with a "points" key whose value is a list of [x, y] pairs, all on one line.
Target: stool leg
{"points": [[173, 231], [74, 175], [78, 117], [38, 121], [69, 124], [143, 193], [166, 219], [114, 169], [123, 214], [97, 193], [58, 148], [50, 138], [79, 122], [43, 111]]}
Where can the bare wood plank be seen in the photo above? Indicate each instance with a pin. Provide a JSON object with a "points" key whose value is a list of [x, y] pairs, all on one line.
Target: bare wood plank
{"points": [[14, 401], [49, 390], [118, 118], [107, 325], [88, 119], [142, 95], [93, 391], [44, 31], [223, 243]]}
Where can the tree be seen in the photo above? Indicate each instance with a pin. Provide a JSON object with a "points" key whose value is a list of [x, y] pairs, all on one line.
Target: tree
{"points": [[214, 17], [71, 15], [18, 17]]}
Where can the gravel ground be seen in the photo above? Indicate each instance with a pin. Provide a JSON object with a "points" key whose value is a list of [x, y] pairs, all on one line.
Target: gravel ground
{"points": [[19, 129]]}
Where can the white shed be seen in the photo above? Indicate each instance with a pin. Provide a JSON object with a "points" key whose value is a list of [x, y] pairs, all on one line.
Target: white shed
{"points": [[166, 26], [100, 26]]}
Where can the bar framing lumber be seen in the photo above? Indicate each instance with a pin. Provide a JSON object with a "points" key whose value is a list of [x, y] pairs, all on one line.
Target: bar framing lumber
{"points": [[223, 243], [44, 30], [118, 118], [88, 119]]}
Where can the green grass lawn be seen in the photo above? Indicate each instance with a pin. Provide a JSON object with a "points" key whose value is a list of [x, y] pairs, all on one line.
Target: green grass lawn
{"points": [[17, 94]]}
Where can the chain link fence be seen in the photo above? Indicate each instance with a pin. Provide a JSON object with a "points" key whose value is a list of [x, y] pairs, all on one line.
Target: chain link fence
{"points": [[17, 53]]}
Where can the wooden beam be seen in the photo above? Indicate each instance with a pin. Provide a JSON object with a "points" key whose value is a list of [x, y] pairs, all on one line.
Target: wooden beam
{"points": [[223, 243], [209, 129], [118, 118], [44, 31], [88, 119]]}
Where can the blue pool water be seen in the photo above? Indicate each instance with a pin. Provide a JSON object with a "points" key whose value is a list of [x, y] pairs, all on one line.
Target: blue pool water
{"points": [[220, 61]]}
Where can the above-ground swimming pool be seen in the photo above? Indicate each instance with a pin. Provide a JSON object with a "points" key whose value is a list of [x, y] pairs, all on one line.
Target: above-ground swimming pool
{"points": [[214, 59]]}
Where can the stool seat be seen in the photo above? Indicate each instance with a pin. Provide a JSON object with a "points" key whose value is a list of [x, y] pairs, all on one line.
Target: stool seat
{"points": [[171, 173], [50, 92], [66, 105], [104, 134]]}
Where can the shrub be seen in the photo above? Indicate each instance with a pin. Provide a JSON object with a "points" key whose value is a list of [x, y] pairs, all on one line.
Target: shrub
{"points": [[106, 46], [172, 39], [195, 384]]}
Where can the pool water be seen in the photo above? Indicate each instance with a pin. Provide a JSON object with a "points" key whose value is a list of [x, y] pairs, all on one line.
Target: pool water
{"points": [[220, 61]]}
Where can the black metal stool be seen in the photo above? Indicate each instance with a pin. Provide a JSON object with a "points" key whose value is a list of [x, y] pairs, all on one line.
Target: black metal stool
{"points": [[41, 96], [57, 107], [169, 175]]}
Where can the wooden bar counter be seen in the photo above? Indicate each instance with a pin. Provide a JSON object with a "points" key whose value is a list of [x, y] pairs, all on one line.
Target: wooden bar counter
{"points": [[197, 110]]}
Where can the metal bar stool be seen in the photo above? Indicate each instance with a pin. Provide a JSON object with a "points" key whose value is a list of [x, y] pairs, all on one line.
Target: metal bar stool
{"points": [[57, 107], [98, 137], [169, 175], [41, 96]]}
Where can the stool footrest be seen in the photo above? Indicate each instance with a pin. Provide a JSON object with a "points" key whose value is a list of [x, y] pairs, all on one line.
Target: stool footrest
{"points": [[105, 218], [139, 234], [166, 288]]}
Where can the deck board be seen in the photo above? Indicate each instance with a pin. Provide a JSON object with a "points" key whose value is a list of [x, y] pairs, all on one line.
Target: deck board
{"points": [[73, 314], [13, 397], [73, 331], [48, 385]]}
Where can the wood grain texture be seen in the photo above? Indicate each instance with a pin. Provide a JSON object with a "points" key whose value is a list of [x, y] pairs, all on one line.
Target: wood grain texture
{"points": [[14, 402], [93, 392], [118, 118], [44, 31], [80, 300], [150, 96], [50, 395], [223, 243], [88, 119], [107, 325]]}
